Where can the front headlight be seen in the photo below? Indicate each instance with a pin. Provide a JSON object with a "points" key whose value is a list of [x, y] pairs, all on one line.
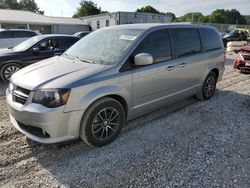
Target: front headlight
{"points": [[51, 98]]}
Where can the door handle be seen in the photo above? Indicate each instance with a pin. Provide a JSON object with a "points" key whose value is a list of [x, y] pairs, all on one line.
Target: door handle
{"points": [[170, 67], [182, 65]]}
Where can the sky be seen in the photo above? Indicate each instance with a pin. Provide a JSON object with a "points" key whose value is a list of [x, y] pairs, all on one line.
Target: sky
{"points": [[179, 7]]}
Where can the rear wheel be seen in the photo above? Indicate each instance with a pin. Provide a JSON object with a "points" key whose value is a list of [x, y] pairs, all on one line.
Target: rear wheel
{"points": [[8, 70], [209, 87], [102, 122]]}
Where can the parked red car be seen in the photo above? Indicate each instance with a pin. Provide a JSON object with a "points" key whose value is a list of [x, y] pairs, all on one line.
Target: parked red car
{"points": [[242, 60]]}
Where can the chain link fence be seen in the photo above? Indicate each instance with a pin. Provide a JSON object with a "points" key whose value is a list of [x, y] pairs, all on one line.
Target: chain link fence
{"points": [[224, 27], [227, 27]]}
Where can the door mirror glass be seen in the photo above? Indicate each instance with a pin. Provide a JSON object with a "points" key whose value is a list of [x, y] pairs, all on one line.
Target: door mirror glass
{"points": [[36, 50], [143, 59]]}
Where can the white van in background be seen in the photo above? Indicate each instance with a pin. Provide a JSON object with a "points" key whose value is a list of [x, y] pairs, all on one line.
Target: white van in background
{"points": [[12, 37]]}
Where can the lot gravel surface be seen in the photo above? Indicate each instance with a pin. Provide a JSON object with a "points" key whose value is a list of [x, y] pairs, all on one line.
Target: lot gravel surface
{"points": [[188, 144]]}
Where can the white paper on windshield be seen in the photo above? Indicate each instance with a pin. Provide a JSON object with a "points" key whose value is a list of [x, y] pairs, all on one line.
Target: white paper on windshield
{"points": [[127, 37]]}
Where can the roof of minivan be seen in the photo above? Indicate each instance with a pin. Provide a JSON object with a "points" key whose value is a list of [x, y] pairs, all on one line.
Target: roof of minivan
{"points": [[159, 25]]}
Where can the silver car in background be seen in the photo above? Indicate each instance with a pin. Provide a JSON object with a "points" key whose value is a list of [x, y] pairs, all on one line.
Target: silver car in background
{"points": [[12, 37], [113, 75]]}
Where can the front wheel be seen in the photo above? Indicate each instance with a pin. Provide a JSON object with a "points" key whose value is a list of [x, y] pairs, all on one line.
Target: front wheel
{"points": [[8, 70], [208, 88], [102, 122]]}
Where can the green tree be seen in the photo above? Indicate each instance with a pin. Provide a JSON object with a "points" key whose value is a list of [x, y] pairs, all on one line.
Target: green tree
{"points": [[30, 5], [227, 17], [87, 8], [9, 4], [193, 17], [172, 15], [247, 18], [148, 9]]}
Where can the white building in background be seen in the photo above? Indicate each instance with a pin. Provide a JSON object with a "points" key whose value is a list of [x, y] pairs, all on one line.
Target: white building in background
{"points": [[118, 18], [18, 19]]}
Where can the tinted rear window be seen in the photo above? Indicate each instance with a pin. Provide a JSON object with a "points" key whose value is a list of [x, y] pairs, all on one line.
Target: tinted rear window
{"points": [[157, 44], [6, 34], [23, 34], [186, 41], [211, 39]]}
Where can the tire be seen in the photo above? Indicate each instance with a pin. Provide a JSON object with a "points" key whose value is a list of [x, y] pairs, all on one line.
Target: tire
{"points": [[8, 70], [96, 129], [209, 84]]}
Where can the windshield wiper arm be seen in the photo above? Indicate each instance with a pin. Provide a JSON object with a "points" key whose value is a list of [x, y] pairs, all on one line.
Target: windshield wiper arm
{"points": [[65, 54], [85, 60]]}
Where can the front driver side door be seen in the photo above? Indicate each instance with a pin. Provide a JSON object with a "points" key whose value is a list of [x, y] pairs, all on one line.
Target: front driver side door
{"points": [[152, 84]]}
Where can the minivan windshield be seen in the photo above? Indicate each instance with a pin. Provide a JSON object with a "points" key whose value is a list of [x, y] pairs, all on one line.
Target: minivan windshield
{"points": [[25, 45], [105, 46]]}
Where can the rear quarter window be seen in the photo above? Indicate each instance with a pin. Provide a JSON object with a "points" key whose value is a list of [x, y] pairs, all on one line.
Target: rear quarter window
{"points": [[186, 41], [211, 40]]}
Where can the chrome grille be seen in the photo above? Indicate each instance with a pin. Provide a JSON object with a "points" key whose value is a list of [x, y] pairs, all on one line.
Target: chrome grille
{"points": [[20, 95]]}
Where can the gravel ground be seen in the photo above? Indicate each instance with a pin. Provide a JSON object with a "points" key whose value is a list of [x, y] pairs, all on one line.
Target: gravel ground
{"points": [[187, 144]]}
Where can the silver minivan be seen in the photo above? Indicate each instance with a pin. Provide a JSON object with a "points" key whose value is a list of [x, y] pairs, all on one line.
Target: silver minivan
{"points": [[12, 37], [113, 75]]}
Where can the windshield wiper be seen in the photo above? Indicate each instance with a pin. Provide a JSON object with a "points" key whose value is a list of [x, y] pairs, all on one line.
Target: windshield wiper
{"points": [[85, 60], [66, 55]]}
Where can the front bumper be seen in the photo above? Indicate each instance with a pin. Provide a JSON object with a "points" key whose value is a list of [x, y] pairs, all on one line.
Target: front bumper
{"points": [[44, 125]]}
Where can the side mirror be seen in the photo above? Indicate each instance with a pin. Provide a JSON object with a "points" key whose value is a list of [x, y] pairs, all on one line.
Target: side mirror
{"points": [[143, 59], [36, 50], [51, 48]]}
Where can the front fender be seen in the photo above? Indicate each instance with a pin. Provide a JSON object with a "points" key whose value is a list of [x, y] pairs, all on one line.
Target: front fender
{"points": [[10, 61], [81, 100]]}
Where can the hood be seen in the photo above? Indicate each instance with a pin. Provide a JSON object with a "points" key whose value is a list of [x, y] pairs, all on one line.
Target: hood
{"points": [[6, 51], [56, 72]]}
